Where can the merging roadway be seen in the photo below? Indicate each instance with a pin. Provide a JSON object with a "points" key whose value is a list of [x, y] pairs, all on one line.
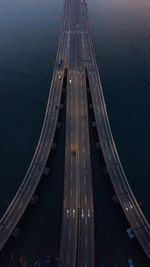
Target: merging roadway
{"points": [[75, 53], [77, 238], [129, 204], [26, 190]]}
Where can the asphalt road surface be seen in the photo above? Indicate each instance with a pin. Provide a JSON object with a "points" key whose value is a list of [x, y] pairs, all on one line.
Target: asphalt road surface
{"points": [[76, 54]]}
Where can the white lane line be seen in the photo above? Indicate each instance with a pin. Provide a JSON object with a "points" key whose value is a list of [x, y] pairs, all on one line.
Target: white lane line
{"points": [[85, 199], [109, 156], [85, 180], [84, 164], [8, 225], [68, 259], [36, 172], [71, 193], [46, 144], [20, 205], [29, 188], [71, 175], [115, 173], [86, 241], [69, 234]]}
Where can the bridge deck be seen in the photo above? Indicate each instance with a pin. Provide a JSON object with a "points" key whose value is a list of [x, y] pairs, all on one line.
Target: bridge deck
{"points": [[77, 240], [76, 52], [119, 180]]}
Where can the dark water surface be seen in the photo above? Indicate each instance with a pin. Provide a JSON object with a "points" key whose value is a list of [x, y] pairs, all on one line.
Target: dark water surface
{"points": [[29, 32]]}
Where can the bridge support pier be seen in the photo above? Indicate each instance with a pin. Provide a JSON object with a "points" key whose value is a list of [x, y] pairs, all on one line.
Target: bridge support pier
{"points": [[34, 200], [104, 170], [16, 232], [54, 146], [61, 106], [59, 125], [98, 146], [93, 124], [115, 199], [130, 233], [46, 171]]}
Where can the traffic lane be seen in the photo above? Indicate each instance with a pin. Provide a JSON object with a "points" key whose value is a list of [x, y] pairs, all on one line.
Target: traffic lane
{"points": [[21, 204], [72, 201], [89, 199], [85, 167], [67, 208]]}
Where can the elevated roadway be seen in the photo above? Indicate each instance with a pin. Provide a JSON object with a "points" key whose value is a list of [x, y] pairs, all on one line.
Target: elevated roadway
{"points": [[26, 190], [77, 239], [129, 204]]}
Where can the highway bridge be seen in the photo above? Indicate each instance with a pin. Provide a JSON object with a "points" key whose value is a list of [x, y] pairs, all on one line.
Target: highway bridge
{"points": [[77, 239], [76, 58], [129, 204], [26, 190]]}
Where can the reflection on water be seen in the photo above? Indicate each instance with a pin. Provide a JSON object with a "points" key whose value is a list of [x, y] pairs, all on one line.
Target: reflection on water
{"points": [[121, 35], [29, 32]]}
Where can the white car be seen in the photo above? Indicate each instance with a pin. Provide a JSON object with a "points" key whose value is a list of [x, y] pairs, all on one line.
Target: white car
{"points": [[82, 214], [131, 206], [126, 208], [73, 213]]}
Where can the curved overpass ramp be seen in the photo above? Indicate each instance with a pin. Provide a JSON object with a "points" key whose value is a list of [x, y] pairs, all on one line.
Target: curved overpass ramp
{"points": [[129, 204], [26, 190]]}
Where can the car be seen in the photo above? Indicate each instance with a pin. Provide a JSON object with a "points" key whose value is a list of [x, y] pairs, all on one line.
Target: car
{"points": [[59, 77], [131, 206], [126, 208], [82, 214], [70, 81], [67, 213], [73, 213]]}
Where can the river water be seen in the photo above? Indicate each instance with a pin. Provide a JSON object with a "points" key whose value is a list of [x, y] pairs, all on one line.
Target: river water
{"points": [[29, 33]]}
